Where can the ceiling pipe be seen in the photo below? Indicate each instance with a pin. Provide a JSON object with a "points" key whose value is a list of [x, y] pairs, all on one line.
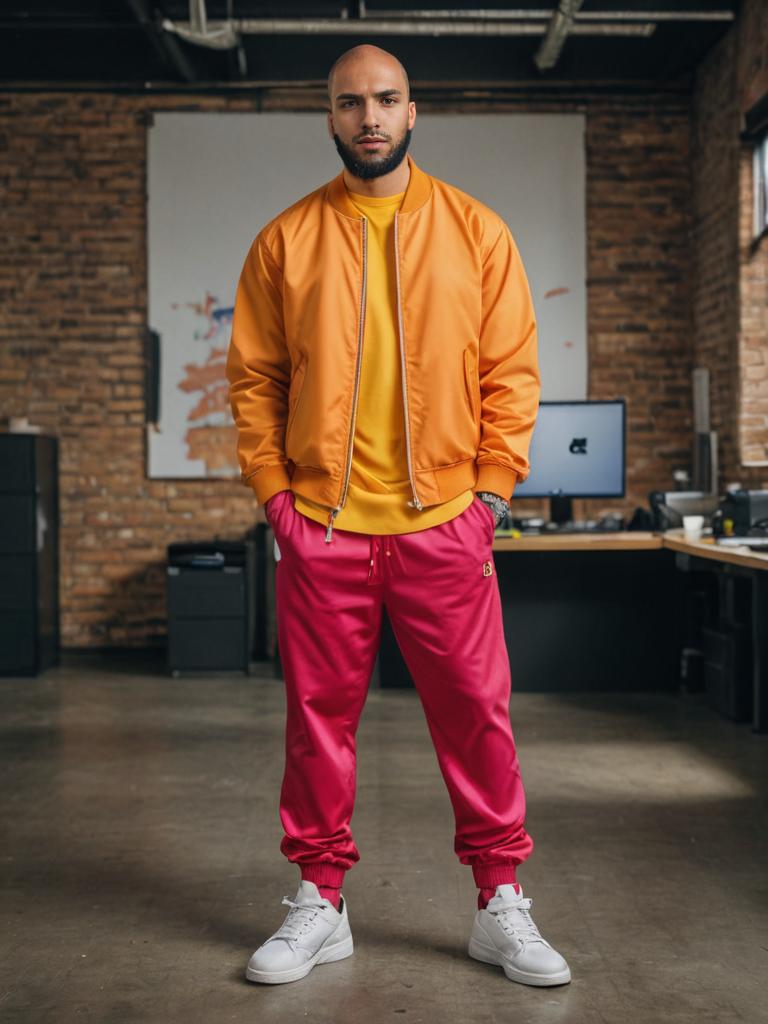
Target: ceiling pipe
{"points": [[46, 22], [223, 35], [559, 26], [198, 17], [544, 14]]}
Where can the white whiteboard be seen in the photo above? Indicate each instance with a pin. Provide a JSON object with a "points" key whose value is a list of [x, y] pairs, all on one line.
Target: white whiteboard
{"points": [[214, 180]]}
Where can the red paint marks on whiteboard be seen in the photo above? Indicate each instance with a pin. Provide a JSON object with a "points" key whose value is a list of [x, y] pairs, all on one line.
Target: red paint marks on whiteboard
{"points": [[556, 291]]}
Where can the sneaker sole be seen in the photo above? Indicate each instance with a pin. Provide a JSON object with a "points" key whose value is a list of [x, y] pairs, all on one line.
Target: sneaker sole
{"points": [[324, 955], [489, 955]]}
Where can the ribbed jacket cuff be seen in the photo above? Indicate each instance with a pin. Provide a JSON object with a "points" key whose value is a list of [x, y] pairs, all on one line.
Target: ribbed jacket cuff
{"points": [[268, 481], [496, 479]]}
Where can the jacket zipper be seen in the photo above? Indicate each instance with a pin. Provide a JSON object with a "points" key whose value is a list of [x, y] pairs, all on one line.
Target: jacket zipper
{"points": [[363, 292], [416, 503]]}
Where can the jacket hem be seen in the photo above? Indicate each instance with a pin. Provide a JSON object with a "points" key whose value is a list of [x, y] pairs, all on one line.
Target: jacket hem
{"points": [[434, 486]]}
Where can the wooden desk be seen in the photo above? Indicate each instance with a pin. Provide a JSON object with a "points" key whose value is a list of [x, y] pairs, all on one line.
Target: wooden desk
{"points": [[707, 548], [625, 541]]}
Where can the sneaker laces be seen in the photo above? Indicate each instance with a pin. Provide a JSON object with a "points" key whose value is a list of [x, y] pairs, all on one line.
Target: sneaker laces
{"points": [[299, 919], [515, 919]]}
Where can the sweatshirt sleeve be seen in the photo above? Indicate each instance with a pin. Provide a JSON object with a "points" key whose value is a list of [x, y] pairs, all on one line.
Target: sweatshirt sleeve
{"points": [[510, 381], [258, 369]]}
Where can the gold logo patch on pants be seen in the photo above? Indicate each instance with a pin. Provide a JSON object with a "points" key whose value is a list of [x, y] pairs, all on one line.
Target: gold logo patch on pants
{"points": [[487, 568]]}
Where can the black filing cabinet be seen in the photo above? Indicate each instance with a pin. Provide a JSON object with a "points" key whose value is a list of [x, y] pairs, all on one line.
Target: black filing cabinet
{"points": [[29, 554], [210, 588]]}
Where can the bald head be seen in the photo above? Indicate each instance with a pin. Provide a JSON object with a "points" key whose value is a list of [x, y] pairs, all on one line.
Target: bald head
{"points": [[366, 54], [371, 116]]}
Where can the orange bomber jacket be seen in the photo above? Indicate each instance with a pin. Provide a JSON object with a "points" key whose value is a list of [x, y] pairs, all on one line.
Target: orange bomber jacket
{"points": [[467, 337]]}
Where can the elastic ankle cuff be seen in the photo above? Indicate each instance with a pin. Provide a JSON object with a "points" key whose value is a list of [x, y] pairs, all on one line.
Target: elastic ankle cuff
{"points": [[488, 876], [322, 873]]}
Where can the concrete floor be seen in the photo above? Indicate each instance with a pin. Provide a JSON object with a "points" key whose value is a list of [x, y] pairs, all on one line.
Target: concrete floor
{"points": [[140, 861]]}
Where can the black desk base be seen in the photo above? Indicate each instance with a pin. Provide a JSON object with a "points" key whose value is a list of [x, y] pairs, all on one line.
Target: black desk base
{"points": [[758, 621], [580, 621]]}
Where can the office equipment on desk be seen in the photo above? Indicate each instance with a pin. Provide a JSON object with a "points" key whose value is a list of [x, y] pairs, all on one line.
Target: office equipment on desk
{"points": [[742, 513], [755, 543], [578, 450], [607, 524], [209, 592], [669, 507]]}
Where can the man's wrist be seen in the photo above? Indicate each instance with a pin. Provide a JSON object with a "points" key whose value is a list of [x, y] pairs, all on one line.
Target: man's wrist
{"points": [[498, 505]]}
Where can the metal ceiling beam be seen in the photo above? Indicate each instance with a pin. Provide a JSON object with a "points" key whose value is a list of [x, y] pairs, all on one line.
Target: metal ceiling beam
{"points": [[43, 21], [223, 35]]}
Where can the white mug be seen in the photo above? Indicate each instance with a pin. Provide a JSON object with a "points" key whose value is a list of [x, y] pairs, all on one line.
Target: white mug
{"points": [[693, 525]]}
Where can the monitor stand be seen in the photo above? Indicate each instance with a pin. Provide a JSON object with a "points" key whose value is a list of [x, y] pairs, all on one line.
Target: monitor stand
{"points": [[560, 510]]}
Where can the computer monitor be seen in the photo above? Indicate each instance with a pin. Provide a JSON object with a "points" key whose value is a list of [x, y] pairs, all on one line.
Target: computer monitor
{"points": [[577, 451]]}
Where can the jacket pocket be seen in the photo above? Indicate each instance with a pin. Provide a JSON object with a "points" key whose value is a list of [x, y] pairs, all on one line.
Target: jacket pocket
{"points": [[295, 392], [471, 385]]}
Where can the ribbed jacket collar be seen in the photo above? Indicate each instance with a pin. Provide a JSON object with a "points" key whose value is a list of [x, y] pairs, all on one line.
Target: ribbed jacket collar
{"points": [[417, 192]]}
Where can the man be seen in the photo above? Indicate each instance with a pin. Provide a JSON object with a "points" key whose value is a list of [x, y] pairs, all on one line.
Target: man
{"points": [[384, 381]]}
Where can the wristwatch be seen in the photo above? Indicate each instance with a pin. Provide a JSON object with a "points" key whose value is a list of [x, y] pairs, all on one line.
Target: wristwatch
{"points": [[498, 505]]}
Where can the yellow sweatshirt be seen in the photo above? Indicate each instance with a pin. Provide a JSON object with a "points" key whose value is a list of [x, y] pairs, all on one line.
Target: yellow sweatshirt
{"points": [[378, 484]]}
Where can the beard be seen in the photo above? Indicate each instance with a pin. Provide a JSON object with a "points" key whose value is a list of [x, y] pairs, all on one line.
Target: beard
{"points": [[373, 168]]}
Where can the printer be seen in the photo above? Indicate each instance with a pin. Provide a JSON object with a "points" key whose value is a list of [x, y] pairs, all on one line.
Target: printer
{"points": [[742, 513], [669, 507]]}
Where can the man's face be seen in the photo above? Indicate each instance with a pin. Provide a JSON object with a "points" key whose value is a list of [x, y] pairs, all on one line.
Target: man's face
{"points": [[369, 102]]}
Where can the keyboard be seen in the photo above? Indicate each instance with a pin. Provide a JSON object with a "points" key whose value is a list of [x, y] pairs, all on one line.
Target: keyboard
{"points": [[750, 542]]}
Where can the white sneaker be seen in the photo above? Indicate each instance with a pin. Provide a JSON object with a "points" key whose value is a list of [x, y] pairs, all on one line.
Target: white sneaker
{"points": [[314, 932], [505, 934]]}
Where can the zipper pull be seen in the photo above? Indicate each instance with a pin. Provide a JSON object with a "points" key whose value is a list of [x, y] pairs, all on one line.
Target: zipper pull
{"points": [[328, 532]]}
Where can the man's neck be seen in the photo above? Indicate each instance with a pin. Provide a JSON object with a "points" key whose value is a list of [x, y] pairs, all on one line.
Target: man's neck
{"points": [[386, 185]]}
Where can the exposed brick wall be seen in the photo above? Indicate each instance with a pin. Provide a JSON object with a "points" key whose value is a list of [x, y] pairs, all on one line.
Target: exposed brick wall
{"points": [[74, 300], [730, 293], [752, 85], [638, 294]]}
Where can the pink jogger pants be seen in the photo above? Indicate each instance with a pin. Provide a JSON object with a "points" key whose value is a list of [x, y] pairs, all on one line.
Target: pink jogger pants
{"points": [[442, 597]]}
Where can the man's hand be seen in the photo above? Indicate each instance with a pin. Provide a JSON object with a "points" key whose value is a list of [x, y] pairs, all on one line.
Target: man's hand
{"points": [[498, 505]]}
